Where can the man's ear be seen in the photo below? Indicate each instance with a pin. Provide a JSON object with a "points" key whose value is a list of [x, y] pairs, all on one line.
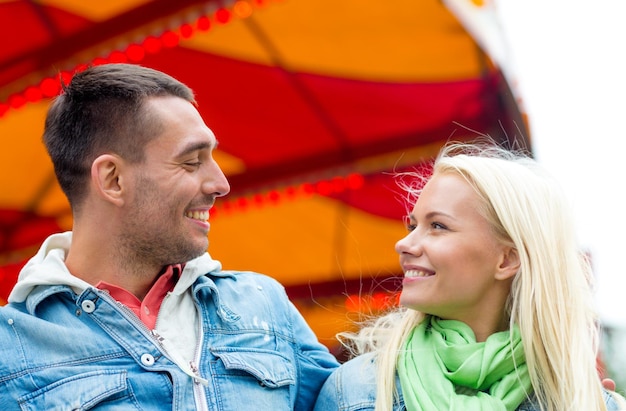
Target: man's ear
{"points": [[509, 264], [106, 178]]}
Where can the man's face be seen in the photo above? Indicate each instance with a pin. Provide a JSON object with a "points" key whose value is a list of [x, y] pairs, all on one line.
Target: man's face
{"points": [[174, 187]]}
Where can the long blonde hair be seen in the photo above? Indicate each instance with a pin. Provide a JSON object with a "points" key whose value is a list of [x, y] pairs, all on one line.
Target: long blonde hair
{"points": [[550, 299]]}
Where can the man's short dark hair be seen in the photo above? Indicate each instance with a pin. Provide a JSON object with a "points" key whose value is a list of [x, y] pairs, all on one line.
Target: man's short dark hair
{"points": [[102, 111]]}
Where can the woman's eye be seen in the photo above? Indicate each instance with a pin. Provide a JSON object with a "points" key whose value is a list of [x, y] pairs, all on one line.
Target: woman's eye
{"points": [[409, 224], [438, 226]]}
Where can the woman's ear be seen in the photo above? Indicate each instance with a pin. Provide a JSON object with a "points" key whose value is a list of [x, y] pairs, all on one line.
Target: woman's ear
{"points": [[106, 178], [509, 264]]}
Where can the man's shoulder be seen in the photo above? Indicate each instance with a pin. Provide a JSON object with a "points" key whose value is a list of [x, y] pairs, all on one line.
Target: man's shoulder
{"points": [[5, 319], [243, 276], [360, 372], [8, 313], [13, 318], [352, 386], [236, 282]]}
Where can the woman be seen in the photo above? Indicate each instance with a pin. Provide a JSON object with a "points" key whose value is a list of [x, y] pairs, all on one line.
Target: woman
{"points": [[496, 301]]}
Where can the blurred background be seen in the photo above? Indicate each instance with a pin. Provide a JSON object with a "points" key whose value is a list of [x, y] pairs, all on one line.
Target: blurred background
{"points": [[316, 104]]}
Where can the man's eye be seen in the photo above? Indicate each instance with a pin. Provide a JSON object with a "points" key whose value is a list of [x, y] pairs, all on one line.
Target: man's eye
{"points": [[193, 163]]}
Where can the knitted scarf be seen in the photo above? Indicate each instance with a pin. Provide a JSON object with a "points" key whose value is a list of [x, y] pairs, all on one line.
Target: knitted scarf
{"points": [[443, 368]]}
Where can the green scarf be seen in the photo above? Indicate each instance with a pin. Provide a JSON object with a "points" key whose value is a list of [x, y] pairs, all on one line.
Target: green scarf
{"points": [[443, 368]]}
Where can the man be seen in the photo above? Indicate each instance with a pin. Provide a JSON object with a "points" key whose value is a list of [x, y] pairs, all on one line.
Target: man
{"points": [[129, 311]]}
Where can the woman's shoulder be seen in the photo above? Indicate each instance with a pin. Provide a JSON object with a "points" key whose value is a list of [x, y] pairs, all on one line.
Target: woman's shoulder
{"points": [[612, 403], [529, 405], [533, 405]]}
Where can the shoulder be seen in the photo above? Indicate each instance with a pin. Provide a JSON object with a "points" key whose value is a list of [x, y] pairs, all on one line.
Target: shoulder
{"points": [[12, 313], [350, 387], [227, 280], [612, 403], [533, 405], [244, 292], [16, 325], [6, 320], [362, 367], [243, 277], [529, 405]]}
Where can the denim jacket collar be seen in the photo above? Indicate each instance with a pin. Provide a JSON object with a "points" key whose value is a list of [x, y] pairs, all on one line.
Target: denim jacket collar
{"points": [[45, 274]]}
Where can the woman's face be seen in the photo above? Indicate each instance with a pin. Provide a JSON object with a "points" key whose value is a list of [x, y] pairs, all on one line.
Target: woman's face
{"points": [[452, 261]]}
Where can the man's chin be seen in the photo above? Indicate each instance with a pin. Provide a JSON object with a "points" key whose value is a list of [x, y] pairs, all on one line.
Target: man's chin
{"points": [[194, 251], [198, 252]]}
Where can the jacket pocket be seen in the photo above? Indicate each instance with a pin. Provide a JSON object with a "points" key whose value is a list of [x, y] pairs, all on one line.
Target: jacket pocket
{"points": [[108, 389], [253, 379], [270, 368]]}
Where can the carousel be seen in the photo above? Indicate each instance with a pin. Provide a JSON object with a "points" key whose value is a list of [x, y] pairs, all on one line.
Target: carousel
{"points": [[317, 105]]}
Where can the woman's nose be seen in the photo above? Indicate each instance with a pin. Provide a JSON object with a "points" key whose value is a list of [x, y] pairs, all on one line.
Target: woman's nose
{"points": [[409, 244]]}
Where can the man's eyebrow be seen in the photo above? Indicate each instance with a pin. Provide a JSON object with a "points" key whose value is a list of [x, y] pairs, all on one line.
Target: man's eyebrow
{"points": [[197, 146]]}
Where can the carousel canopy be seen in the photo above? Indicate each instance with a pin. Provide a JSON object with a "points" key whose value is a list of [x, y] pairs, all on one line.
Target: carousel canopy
{"points": [[316, 104]]}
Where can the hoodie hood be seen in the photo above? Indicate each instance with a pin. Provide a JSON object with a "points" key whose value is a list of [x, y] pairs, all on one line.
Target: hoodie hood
{"points": [[47, 268], [196, 268]]}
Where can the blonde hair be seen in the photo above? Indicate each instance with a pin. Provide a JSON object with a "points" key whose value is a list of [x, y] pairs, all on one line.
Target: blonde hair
{"points": [[550, 299]]}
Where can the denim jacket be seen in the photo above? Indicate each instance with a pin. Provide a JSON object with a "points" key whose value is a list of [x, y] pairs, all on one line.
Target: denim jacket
{"points": [[63, 350], [352, 387]]}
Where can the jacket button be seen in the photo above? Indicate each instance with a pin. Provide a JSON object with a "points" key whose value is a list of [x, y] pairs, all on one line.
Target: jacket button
{"points": [[88, 306], [147, 360]]}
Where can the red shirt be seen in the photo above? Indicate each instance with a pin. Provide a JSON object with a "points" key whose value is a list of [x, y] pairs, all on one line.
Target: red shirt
{"points": [[148, 309]]}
